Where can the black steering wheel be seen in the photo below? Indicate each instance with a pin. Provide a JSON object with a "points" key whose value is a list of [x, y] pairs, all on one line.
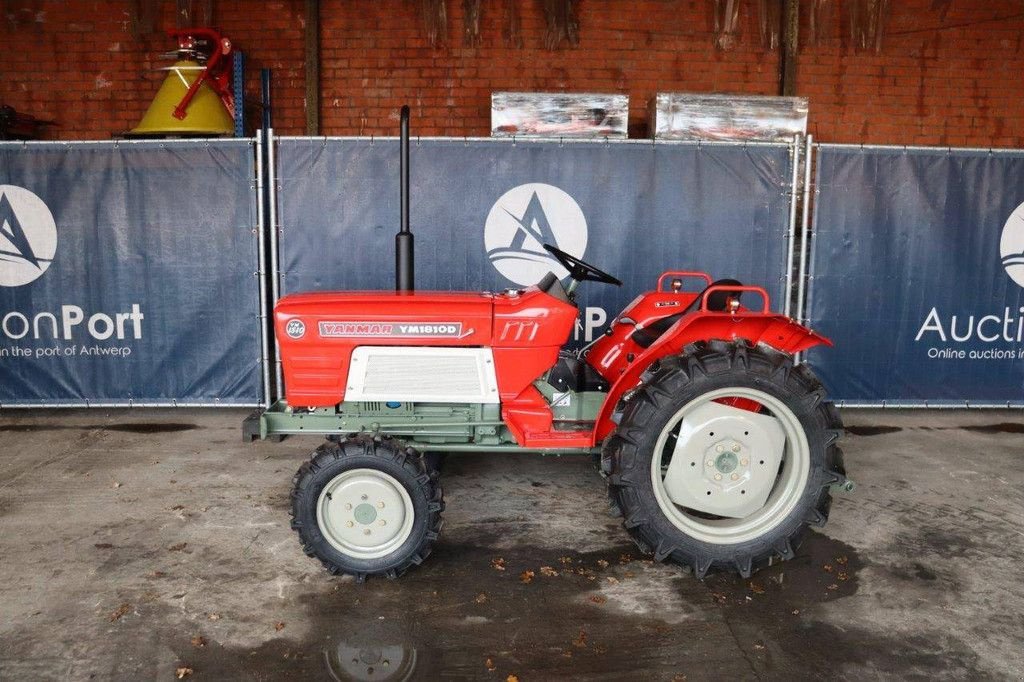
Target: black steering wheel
{"points": [[579, 270]]}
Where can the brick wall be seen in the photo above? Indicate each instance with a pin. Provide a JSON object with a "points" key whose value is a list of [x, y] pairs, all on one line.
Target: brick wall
{"points": [[960, 86], [950, 78]]}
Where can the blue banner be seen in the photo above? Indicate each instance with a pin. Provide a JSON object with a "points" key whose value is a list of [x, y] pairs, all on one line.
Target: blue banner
{"points": [[917, 274], [481, 210], [128, 274]]}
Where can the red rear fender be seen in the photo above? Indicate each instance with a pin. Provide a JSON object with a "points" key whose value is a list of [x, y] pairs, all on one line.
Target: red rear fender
{"points": [[622, 361], [779, 332]]}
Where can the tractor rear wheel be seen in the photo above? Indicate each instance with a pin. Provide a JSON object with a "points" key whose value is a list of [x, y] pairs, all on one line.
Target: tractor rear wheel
{"points": [[723, 457], [366, 506]]}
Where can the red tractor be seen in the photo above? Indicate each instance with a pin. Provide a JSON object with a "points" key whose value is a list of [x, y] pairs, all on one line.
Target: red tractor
{"points": [[718, 449]]}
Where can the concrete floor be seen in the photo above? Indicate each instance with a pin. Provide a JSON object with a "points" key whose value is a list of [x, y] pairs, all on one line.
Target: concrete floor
{"points": [[137, 543]]}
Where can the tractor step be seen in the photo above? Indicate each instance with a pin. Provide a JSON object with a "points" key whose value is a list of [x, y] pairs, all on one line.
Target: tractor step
{"points": [[562, 439]]}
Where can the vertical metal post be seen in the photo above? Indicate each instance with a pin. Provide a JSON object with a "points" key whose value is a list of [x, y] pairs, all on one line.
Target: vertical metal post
{"points": [[261, 272], [805, 233], [275, 266], [790, 248]]}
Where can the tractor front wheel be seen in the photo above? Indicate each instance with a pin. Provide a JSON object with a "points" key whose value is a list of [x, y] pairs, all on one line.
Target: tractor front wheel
{"points": [[366, 506], [723, 457]]}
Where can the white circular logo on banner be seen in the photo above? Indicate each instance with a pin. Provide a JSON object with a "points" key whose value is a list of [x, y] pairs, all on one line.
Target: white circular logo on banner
{"points": [[522, 221], [1011, 245], [28, 236]]}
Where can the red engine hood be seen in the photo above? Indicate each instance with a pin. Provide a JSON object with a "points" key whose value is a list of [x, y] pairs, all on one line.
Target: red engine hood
{"points": [[384, 317], [317, 332], [320, 298]]}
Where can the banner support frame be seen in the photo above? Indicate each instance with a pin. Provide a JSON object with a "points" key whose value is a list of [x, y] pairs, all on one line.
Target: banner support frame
{"points": [[261, 273], [791, 230], [805, 232], [275, 265]]}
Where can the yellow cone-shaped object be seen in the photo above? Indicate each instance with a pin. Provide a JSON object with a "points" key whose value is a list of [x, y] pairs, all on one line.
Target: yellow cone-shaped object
{"points": [[206, 114]]}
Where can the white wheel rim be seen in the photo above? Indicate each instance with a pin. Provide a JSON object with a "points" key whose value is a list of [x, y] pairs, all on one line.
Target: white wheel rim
{"points": [[365, 513], [782, 488]]}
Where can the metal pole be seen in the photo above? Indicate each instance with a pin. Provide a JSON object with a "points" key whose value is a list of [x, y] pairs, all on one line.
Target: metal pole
{"points": [[261, 271], [795, 150], [805, 233], [275, 266]]}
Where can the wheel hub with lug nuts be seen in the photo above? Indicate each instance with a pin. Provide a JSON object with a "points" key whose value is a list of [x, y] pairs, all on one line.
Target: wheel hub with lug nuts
{"points": [[740, 451], [365, 513]]}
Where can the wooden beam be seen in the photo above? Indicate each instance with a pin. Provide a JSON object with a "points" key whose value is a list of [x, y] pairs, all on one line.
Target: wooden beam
{"points": [[312, 67], [790, 43]]}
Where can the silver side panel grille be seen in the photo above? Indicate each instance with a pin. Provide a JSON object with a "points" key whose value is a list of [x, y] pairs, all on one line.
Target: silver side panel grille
{"points": [[422, 374]]}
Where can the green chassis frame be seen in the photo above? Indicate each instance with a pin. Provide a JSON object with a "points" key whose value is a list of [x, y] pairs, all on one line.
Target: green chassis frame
{"points": [[428, 427]]}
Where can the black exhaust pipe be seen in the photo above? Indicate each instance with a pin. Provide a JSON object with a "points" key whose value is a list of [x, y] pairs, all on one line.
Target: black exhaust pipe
{"points": [[403, 240]]}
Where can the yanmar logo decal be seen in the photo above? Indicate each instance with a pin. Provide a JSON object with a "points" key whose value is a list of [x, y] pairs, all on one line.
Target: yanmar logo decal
{"points": [[429, 330]]}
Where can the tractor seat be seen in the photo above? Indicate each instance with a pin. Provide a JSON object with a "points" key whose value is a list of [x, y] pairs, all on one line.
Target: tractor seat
{"points": [[717, 302]]}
